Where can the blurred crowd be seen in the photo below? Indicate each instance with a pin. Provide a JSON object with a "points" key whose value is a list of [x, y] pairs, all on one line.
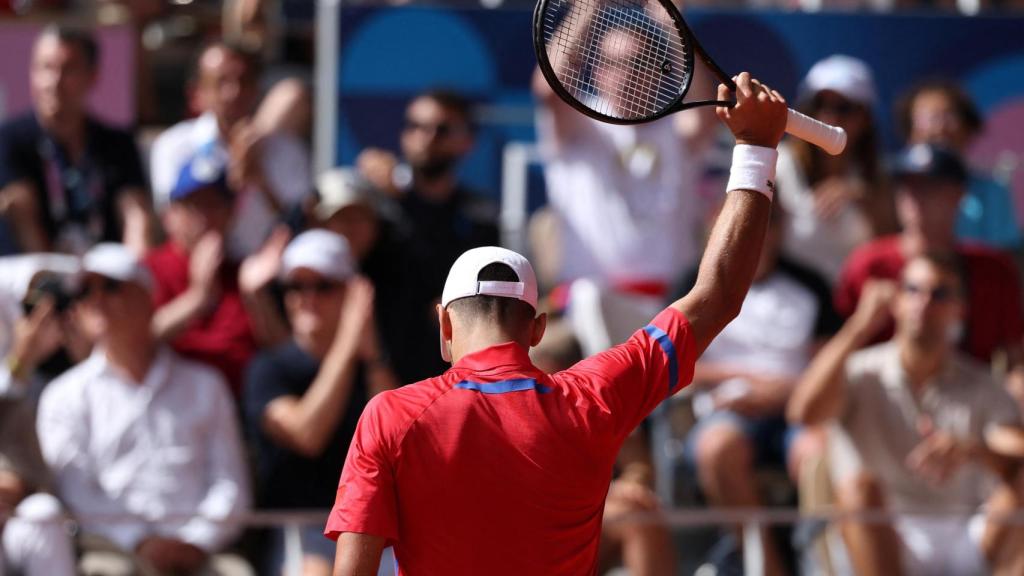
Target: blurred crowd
{"points": [[190, 332]]}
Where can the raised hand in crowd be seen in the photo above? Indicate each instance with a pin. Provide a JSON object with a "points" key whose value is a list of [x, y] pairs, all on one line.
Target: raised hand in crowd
{"points": [[12, 490], [939, 454], [36, 337], [378, 167], [204, 264], [833, 194]]}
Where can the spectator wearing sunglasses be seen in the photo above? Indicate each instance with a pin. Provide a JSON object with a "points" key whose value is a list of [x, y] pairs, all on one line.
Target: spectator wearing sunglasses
{"points": [[303, 398], [137, 432], [915, 416], [835, 203], [444, 216], [200, 309], [929, 181]]}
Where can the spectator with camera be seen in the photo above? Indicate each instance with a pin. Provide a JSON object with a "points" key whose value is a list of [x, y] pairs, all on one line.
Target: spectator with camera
{"points": [[36, 333]]}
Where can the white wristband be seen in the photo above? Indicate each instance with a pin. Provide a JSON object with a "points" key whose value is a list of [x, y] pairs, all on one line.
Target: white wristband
{"points": [[753, 168]]}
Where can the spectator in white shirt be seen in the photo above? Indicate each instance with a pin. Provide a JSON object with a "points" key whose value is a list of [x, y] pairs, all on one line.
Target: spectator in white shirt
{"points": [[626, 217], [137, 434], [269, 170]]}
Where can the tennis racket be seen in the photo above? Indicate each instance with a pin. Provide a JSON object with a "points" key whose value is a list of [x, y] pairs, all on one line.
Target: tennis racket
{"points": [[631, 61]]}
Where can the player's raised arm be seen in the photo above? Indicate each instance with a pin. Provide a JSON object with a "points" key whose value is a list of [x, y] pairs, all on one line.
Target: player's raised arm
{"points": [[727, 269]]}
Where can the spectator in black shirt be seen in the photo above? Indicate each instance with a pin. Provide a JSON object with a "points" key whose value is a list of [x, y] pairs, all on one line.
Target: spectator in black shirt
{"points": [[303, 398], [446, 218], [68, 181]]}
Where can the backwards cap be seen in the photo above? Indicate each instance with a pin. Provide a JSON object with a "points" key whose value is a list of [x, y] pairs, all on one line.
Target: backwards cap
{"points": [[463, 279]]}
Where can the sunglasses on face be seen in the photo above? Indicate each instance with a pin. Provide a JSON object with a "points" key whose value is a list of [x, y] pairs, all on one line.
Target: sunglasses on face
{"points": [[320, 287], [101, 286], [442, 129], [939, 294]]}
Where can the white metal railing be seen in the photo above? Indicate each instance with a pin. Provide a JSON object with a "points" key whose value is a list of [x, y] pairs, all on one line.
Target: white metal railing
{"points": [[752, 520]]}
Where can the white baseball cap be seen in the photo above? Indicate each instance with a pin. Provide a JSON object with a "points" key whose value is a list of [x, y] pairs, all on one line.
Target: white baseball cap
{"points": [[463, 280], [340, 188], [322, 251], [846, 75], [117, 262]]}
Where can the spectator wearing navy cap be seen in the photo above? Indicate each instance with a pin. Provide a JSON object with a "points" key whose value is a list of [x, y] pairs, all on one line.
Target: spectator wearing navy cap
{"points": [[200, 310], [303, 398], [941, 112], [930, 181]]}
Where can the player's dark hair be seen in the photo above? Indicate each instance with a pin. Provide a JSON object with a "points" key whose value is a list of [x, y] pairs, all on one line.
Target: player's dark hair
{"points": [[252, 59], [962, 103], [508, 312], [453, 102], [81, 38]]}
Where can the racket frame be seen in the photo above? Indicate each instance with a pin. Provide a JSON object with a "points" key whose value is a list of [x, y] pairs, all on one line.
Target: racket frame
{"points": [[686, 36]]}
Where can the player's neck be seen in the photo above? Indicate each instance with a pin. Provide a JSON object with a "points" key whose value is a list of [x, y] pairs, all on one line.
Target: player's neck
{"points": [[482, 339]]}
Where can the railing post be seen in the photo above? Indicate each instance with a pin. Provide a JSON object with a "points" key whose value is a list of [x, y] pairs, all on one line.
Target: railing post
{"points": [[753, 549], [292, 549]]}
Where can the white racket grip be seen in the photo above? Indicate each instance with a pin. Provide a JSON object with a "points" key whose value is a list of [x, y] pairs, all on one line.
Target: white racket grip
{"points": [[831, 139]]}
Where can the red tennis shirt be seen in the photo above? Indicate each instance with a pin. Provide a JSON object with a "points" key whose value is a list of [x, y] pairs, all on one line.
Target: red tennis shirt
{"points": [[497, 468]]}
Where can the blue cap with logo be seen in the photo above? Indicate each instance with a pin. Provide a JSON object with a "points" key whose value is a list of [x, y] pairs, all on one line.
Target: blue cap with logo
{"points": [[203, 170]]}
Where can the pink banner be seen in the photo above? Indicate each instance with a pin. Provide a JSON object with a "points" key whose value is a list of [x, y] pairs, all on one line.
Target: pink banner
{"points": [[113, 97]]}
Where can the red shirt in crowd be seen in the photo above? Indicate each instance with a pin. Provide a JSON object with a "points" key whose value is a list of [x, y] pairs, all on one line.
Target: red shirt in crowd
{"points": [[497, 468], [993, 291], [223, 337]]}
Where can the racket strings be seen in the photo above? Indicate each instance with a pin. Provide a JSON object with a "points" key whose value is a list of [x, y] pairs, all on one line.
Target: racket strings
{"points": [[621, 58]]}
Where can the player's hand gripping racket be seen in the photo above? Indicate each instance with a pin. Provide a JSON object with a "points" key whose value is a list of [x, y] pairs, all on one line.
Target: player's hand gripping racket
{"points": [[631, 61]]}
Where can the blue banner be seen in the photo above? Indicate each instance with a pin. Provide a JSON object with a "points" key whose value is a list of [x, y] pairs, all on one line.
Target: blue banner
{"points": [[390, 54]]}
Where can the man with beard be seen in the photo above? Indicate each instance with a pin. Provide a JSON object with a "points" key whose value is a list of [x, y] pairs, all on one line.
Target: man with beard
{"points": [[444, 217]]}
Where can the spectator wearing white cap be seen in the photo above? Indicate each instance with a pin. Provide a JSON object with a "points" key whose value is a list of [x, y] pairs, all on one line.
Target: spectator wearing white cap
{"points": [[138, 433], [303, 398], [200, 309], [381, 244], [835, 203]]}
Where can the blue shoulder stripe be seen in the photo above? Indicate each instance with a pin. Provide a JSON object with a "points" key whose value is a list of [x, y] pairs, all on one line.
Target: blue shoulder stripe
{"points": [[669, 349]]}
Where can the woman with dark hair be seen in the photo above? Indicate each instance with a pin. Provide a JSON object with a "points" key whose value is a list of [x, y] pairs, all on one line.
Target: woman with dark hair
{"points": [[940, 112], [835, 203]]}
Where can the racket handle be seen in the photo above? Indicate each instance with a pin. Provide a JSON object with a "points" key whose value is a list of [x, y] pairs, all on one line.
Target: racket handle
{"points": [[831, 139]]}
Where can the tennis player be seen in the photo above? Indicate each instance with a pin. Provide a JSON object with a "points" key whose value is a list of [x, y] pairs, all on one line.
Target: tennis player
{"points": [[497, 468]]}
